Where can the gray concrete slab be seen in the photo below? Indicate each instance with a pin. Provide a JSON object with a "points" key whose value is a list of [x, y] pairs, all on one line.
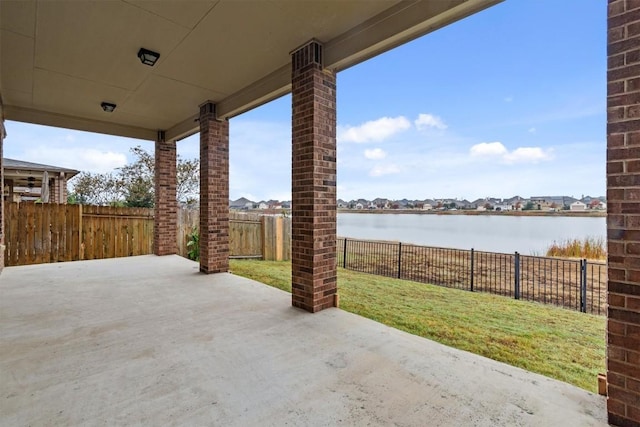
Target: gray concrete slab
{"points": [[150, 341]]}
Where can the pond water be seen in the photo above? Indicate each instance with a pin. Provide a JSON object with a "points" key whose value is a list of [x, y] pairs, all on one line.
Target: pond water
{"points": [[529, 235]]}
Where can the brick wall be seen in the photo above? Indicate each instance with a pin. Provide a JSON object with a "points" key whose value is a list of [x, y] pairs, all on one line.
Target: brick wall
{"points": [[58, 190], [166, 208], [313, 245], [2, 192], [623, 220], [214, 191], [54, 190]]}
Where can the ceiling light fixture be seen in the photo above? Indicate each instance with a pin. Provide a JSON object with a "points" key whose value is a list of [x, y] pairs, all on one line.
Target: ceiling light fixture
{"points": [[108, 107], [148, 57]]}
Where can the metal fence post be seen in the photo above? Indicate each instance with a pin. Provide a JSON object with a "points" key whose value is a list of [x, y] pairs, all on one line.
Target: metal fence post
{"points": [[516, 281], [399, 259], [472, 262], [344, 254], [583, 285]]}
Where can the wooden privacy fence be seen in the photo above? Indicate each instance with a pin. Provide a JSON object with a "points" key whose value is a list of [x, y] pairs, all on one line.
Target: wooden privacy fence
{"points": [[250, 235], [42, 233]]}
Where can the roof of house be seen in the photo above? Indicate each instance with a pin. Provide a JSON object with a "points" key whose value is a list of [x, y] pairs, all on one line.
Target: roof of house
{"points": [[30, 166]]}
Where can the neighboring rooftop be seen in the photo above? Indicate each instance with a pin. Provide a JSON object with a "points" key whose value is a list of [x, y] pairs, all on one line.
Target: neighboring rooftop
{"points": [[30, 166]]}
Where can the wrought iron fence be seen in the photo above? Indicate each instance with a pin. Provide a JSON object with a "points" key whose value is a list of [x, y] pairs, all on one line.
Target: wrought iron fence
{"points": [[573, 284]]}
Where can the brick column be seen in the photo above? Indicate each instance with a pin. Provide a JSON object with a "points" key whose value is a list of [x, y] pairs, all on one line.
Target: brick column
{"points": [[166, 208], [623, 219], [214, 191], [2, 192], [313, 251]]}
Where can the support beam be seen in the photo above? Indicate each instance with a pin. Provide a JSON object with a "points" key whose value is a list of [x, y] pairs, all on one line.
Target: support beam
{"points": [[214, 191], [313, 246], [166, 207], [623, 218]]}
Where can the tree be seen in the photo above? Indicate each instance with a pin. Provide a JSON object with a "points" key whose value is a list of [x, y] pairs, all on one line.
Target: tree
{"points": [[136, 180], [94, 189], [528, 206], [188, 175], [133, 184]]}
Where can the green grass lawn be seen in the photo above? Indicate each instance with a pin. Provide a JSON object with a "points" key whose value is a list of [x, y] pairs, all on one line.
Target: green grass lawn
{"points": [[555, 342]]}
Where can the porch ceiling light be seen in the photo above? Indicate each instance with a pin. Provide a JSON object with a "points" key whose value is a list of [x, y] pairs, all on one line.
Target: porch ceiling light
{"points": [[148, 57], [108, 107]]}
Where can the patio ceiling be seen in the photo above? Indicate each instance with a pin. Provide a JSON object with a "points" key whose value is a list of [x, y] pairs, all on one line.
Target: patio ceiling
{"points": [[60, 60]]}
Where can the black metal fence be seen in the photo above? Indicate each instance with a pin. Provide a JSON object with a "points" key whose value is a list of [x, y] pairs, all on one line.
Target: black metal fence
{"points": [[573, 284]]}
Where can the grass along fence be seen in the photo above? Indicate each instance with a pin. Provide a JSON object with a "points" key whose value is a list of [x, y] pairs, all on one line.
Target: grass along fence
{"points": [[575, 284]]}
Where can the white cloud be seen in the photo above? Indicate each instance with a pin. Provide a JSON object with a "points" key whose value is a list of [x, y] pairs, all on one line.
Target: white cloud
{"points": [[429, 121], [528, 155], [519, 155], [85, 159], [375, 130], [375, 154], [488, 149], [532, 130], [381, 170]]}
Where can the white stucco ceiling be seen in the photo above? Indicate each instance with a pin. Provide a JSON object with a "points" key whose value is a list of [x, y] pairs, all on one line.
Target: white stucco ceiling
{"points": [[61, 59]]}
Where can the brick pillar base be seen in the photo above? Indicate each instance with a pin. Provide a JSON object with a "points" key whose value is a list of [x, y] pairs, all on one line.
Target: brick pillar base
{"points": [[214, 191], [165, 225], [313, 245], [623, 219]]}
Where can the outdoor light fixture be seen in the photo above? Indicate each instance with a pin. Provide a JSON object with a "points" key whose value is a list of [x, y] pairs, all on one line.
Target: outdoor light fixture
{"points": [[108, 107], [148, 57]]}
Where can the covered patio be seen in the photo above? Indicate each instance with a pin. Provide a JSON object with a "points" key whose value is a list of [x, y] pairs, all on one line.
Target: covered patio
{"points": [[148, 340]]}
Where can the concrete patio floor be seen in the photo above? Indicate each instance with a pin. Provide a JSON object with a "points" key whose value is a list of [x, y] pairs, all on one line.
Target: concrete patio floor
{"points": [[150, 341]]}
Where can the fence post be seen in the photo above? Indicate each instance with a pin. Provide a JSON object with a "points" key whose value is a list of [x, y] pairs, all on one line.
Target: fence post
{"points": [[80, 239], [583, 285], [472, 262], [399, 259], [344, 254], [516, 282]]}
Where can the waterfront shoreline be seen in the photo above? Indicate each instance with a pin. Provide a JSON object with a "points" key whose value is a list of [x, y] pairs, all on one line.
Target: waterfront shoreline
{"points": [[589, 214]]}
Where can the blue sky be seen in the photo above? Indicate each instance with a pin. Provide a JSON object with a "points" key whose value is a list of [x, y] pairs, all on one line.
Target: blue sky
{"points": [[509, 101]]}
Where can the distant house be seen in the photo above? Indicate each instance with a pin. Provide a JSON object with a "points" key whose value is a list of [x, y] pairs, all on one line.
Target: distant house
{"points": [[553, 202], [577, 206], [27, 181], [241, 203], [427, 207], [503, 207], [464, 204], [359, 205], [263, 205]]}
